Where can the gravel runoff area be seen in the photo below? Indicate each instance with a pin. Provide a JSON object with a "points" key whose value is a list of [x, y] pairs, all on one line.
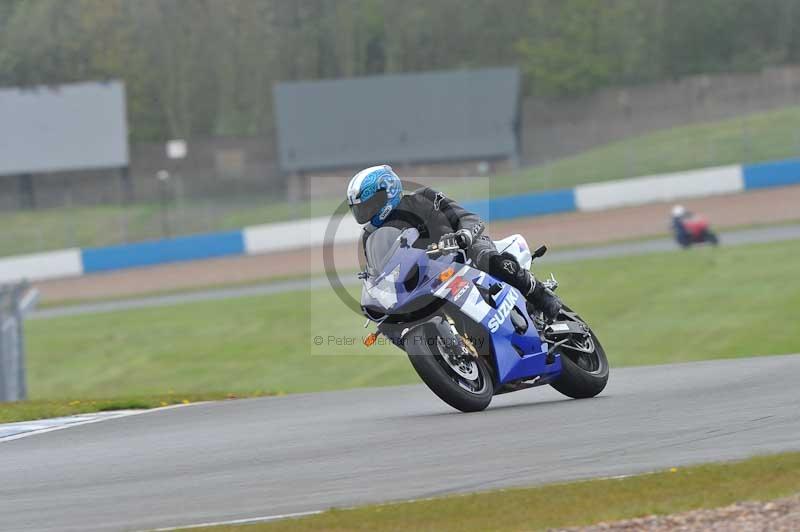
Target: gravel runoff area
{"points": [[782, 515], [569, 229]]}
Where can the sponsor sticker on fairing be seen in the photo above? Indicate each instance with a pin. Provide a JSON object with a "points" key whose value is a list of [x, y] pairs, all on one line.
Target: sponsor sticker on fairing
{"points": [[458, 287], [504, 311]]}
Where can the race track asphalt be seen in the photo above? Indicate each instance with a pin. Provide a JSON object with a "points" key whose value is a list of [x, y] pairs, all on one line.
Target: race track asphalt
{"points": [[261, 457]]}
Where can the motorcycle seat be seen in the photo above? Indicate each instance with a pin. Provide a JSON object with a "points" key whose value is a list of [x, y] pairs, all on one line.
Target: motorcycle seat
{"points": [[518, 247]]}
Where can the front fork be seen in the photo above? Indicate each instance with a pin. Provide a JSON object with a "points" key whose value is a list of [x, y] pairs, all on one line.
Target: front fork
{"points": [[461, 346]]}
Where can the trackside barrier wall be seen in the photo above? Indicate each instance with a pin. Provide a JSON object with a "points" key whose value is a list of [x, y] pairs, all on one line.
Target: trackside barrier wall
{"points": [[41, 266], [183, 248], [299, 234], [655, 188], [312, 232], [771, 174], [535, 204]]}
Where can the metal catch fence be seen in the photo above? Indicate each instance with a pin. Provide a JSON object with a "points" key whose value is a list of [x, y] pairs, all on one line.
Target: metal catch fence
{"points": [[15, 302]]}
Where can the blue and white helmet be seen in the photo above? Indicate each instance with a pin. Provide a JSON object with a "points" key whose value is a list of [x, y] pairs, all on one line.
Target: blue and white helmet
{"points": [[373, 193]]}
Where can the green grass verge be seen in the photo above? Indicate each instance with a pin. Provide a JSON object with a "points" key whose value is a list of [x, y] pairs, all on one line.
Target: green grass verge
{"points": [[44, 409], [699, 304], [572, 504], [751, 138]]}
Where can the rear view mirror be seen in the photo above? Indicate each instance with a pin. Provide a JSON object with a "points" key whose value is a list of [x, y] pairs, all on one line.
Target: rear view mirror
{"points": [[541, 250]]}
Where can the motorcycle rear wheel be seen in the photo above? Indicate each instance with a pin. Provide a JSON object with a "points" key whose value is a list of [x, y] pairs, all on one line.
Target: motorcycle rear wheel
{"points": [[711, 238], [583, 375]]}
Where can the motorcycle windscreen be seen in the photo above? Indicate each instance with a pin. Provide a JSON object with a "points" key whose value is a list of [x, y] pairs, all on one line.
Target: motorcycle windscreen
{"points": [[380, 246], [381, 250]]}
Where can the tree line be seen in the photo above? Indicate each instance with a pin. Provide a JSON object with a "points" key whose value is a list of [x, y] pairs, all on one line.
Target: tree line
{"points": [[206, 67]]}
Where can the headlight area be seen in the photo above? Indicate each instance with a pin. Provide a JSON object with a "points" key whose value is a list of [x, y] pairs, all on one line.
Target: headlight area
{"points": [[383, 291]]}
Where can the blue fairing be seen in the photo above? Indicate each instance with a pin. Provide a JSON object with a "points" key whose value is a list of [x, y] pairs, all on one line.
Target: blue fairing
{"points": [[517, 355], [509, 364]]}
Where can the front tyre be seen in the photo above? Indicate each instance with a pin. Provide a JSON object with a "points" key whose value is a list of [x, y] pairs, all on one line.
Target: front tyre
{"points": [[584, 365], [463, 382]]}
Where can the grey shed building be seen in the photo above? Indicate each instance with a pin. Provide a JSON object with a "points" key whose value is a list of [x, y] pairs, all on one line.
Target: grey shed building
{"points": [[61, 128], [398, 118]]}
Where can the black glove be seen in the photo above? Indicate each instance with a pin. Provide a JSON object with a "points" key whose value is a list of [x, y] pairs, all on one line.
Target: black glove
{"points": [[448, 243], [461, 239], [464, 238]]}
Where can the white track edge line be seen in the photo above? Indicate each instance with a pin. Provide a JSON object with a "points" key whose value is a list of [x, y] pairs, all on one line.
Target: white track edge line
{"points": [[91, 421], [249, 520]]}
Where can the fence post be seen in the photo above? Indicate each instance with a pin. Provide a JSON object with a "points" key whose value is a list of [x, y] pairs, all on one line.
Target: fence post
{"points": [[15, 302]]}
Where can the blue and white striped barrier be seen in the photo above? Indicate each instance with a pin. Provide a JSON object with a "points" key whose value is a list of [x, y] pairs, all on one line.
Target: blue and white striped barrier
{"points": [[184, 248], [311, 232], [534, 204], [38, 266], [771, 174], [658, 188]]}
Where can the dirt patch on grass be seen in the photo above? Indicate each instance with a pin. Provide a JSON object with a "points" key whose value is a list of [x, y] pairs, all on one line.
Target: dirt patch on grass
{"points": [[775, 516], [758, 207]]}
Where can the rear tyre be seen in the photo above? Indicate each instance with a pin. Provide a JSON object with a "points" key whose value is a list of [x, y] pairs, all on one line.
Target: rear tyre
{"points": [[465, 385], [583, 374], [712, 238]]}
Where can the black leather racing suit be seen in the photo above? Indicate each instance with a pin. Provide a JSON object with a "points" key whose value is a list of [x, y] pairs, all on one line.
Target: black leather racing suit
{"points": [[434, 215]]}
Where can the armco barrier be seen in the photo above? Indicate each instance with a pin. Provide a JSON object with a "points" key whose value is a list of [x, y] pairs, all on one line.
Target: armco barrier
{"points": [[311, 232]]}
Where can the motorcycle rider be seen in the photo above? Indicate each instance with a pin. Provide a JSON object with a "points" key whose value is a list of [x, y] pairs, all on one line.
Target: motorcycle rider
{"points": [[376, 199], [679, 215]]}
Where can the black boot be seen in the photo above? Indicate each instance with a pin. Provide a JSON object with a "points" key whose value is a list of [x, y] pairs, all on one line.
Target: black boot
{"points": [[543, 299], [504, 266]]}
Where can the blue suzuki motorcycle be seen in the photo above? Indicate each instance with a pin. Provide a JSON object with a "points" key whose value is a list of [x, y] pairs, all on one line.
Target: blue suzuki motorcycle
{"points": [[468, 335]]}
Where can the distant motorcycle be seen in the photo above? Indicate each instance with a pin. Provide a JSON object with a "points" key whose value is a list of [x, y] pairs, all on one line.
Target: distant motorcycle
{"points": [[694, 230], [469, 335]]}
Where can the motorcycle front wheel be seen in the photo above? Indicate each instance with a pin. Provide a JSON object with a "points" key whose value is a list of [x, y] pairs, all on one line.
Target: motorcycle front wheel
{"points": [[463, 383]]}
